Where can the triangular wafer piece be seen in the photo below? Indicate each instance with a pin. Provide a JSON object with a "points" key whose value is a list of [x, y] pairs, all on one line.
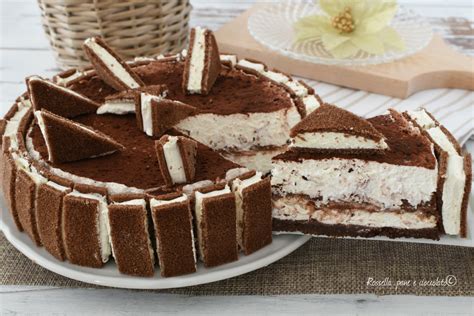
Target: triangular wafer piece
{"points": [[109, 66], [59, 100], [331, 128], [123, 102], [70, 141], [156, 114], [203, 64], [177, 158]]}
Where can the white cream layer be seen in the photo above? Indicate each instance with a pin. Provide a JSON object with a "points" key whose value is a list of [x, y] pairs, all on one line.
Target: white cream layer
{"points": [[422, 118], [453, 193], [382, 184], [260, 160], [260, 68], [442, 140], [298, 210], [13, 123], [299, 89], [112, 64], [199, 198], [174, 161], [333, 140], [196, 65], [232, 59], [248, 130], [238, 186], [311, 103], [119, 107], [455, 177], [103, 227], [147, 115]]}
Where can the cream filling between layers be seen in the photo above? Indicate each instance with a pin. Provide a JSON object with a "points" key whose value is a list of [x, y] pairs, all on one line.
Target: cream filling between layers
{"points": [[199, 199], [248, 130], [455, 177], [119, 107], [355, 180], [174, 161], [453, 193], [260, 68], [238, 187], [311, 103], [299, 89], [196, 65], [299, 210], [333, 140], [13, 124], [112, 63], [232, 59], [103, 225], [422, 118], [260, 160]]}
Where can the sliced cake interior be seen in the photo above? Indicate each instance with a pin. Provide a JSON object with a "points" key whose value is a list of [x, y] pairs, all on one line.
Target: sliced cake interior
{"points": [[362, 193]]}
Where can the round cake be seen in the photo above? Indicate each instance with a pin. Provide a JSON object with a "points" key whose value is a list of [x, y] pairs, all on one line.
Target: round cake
{"points": [[90, 170]]}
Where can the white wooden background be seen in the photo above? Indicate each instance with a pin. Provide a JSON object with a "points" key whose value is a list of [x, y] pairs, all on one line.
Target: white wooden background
{"points": [[24, 51]]}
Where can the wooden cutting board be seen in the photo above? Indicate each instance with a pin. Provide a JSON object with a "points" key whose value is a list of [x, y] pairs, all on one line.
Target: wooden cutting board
{"points": [[436, 66]]}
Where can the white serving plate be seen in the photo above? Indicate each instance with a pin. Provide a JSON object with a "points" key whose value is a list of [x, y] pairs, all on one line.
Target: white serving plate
{"points": [[281, 246]]}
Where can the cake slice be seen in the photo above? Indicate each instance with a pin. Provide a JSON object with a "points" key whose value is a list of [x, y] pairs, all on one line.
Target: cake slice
{"points": [[155, 114], [253, 210], [129, 235], [202, 65], [175, 246], [109, 66], [85, 227], [59, 100], [331, 128], [455, 172], [391, 193], [49, 206], [176, 158], [67, 140], [215, 214], [8, 180], [27, 181]]}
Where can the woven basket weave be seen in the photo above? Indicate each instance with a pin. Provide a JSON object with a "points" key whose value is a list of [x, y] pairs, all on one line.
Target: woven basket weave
{"points": [[132, 27]]}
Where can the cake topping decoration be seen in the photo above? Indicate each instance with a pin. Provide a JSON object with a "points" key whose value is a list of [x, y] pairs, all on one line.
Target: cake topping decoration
{"points": [[332, 128], [156, 114], [59, 100], [109, 66], [203, 64], [177, 158], [228, 60], [123, 102], [68, 141]]}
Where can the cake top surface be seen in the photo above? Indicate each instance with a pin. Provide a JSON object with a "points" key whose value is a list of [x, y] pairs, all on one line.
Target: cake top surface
{"points": [[136, 165], [330, 118], [406, 146], [233, 92]]}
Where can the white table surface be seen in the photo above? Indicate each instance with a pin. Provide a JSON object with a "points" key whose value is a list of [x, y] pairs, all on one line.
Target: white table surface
{"points": [[24, 50]]}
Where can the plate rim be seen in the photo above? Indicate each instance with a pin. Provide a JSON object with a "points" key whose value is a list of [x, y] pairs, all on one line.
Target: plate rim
{"points": [[130, 282]]}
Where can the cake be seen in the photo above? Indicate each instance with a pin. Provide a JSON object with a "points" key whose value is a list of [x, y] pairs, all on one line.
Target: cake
{"points": [[455, 172], [113, 175], [363, 190], [177, 162]]}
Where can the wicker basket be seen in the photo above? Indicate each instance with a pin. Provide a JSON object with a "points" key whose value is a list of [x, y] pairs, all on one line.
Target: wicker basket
{"points": [[133, 27]]}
